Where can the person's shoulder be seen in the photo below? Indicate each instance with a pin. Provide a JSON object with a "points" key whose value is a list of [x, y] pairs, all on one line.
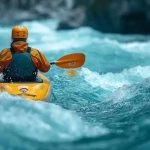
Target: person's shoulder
{"points": [[5, 50], [34, 51]]}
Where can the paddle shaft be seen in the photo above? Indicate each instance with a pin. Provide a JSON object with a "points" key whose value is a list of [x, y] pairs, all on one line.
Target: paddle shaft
{"points": [[52, 63]]}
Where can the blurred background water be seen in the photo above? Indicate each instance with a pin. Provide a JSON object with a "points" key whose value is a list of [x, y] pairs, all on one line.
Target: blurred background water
{"points": [[106, 107], [115, 16]]}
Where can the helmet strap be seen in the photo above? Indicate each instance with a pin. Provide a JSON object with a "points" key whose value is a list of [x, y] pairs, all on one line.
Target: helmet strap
{"points": [[19, 39]]}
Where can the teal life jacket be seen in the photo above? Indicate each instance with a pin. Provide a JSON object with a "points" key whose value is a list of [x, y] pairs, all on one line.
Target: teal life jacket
{"points": [[21, 68]]}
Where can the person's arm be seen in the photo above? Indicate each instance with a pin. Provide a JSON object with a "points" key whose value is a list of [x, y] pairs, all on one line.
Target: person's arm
{"points": [[40, 60], [5, 58]]}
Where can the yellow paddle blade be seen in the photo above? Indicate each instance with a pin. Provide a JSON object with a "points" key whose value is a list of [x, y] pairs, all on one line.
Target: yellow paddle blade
{"points": [[74, 60], [71, 73]]}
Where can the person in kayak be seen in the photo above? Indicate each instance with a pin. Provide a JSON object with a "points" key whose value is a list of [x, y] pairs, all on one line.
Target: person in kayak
{"points": [[21, 62]]}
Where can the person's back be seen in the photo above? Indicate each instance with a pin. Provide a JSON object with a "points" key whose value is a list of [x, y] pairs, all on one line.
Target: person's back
{"points": [[21, 62]]}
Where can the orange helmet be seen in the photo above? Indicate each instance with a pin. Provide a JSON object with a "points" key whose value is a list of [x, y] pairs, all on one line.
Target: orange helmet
{"points": [[19, 32]]}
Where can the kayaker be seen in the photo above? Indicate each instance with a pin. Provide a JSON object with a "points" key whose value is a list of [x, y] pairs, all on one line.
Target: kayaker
{"points": [[21, 62]]}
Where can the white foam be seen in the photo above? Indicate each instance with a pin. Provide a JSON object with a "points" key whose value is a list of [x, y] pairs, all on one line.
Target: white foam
{"points": [[112, 81], [43, 121], [136, 47]]}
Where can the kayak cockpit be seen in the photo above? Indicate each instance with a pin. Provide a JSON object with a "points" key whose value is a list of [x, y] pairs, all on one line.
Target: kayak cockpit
{"points": [[38, 79]]}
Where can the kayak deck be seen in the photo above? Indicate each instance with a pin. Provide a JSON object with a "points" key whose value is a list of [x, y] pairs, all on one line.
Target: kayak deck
{"points": [[40, 89]]}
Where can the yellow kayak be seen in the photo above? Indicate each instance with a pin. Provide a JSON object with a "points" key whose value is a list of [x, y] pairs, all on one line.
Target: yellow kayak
{"points": [[38, 90]]}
